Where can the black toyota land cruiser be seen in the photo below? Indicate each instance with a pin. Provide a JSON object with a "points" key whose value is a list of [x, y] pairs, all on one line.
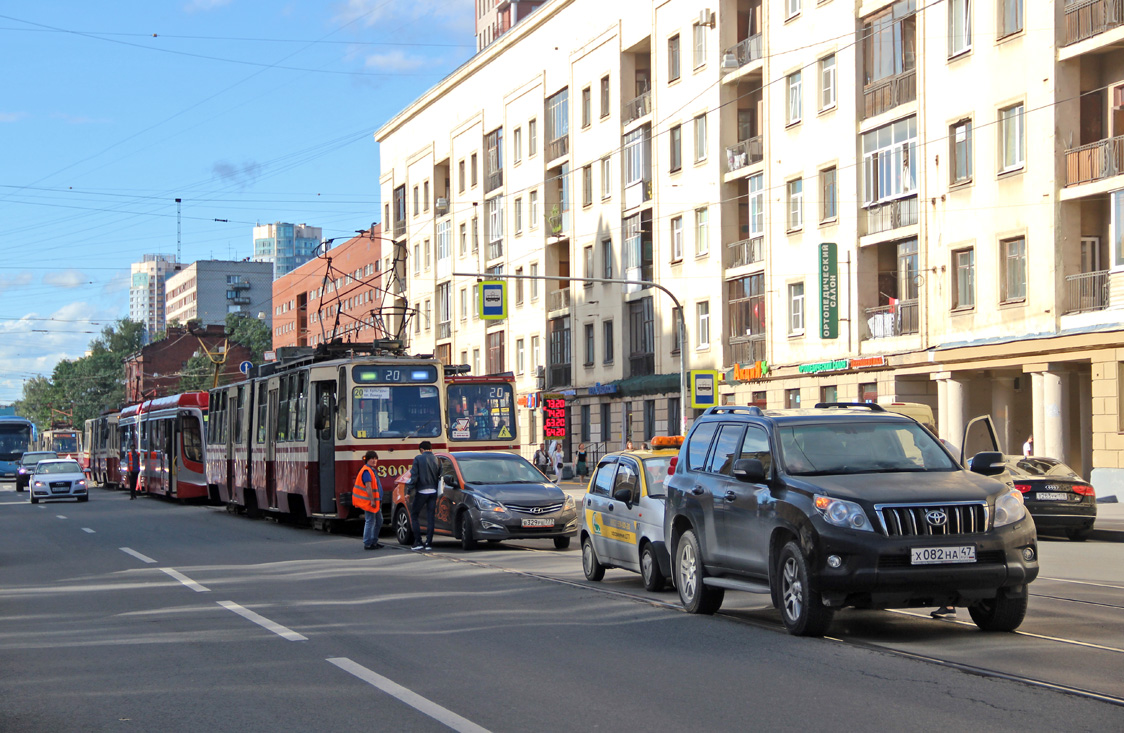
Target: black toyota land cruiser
{"points": [[843, 505]]}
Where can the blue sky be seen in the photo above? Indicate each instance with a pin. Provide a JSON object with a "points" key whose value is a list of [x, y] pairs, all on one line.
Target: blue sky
{"points": [[249, 111]]}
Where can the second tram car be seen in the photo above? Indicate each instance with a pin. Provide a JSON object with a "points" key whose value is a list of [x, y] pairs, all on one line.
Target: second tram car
{"points": [[101, 449], [166, 434]]}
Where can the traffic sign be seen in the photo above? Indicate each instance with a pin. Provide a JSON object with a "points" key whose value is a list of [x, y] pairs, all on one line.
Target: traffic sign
{"points": [[493, 300], [245, 367], [704, 388]]}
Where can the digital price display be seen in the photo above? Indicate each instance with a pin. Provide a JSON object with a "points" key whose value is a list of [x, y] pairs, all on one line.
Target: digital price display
{"points": [[408, 374], [554, 418]]}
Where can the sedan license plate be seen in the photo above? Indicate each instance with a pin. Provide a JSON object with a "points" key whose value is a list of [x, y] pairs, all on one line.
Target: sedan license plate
{"points": [[941, 555], [1050, 496], [538, 522]]}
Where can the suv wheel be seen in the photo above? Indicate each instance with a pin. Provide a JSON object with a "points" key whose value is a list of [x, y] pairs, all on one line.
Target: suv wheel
{"points": [[802, 610], [1002, 613], [593, 568], [689, 573], [650, 569]]}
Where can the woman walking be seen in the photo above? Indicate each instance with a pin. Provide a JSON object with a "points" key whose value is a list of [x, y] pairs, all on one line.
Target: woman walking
{"points": [[582, 467]]}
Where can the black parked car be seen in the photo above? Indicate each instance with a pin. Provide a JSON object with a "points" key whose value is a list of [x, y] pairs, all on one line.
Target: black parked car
{"points": [[27, 463], [1057, 498], [843, 506]]}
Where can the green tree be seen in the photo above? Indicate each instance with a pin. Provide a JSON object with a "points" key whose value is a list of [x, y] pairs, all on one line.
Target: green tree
{"points": [[251, 333], [198, 373]]}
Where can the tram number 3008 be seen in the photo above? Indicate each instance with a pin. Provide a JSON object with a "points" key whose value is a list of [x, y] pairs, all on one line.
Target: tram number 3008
{"points": [[384, 471]]}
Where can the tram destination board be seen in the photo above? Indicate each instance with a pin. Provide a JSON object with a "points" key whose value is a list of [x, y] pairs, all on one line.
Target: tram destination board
{"points": [[554, 417], [406, 374]]}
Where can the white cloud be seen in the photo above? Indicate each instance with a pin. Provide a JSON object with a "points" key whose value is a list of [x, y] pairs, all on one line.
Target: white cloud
{"points": [[66, 279], [14, 282], [12, 116], [455, 14], [393, 61]]}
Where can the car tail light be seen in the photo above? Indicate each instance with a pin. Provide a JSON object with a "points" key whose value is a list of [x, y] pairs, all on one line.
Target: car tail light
{"points": [[671, 466], [1023, 487], [1084, 490]]}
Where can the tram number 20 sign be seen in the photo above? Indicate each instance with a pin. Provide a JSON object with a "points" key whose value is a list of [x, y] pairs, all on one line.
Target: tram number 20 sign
{"points": [[554, 417]]}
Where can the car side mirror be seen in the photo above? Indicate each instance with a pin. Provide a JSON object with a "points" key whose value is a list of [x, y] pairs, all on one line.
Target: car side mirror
{"points": [[749, 470], [987, 463], [624, 495]]}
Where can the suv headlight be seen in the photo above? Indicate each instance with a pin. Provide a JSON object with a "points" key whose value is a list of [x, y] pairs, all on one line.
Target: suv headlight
{"points": [[1009, 508], [487, 505], [843, 513]]}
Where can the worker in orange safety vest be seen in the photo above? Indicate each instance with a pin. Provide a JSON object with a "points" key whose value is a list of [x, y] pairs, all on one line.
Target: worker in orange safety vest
{"points": [[367, 495]]}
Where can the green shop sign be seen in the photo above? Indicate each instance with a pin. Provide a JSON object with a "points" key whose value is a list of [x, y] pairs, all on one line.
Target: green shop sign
{"points": [[829, 291]]}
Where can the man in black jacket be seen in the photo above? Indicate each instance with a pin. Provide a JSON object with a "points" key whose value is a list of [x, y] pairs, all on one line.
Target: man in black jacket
{"points": [[424, 476]]}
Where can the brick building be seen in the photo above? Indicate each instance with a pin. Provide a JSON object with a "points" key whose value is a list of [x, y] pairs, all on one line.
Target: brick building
{"points": [[156, 370], [307, 300]]}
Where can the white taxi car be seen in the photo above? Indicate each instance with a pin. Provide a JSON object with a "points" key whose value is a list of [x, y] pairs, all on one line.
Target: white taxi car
{"points": [[624, 514]]}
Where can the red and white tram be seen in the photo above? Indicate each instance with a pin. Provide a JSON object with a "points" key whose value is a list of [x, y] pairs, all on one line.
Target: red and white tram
{"points": [[480, 411], [66, 442], [167, 435], [100, 449]]}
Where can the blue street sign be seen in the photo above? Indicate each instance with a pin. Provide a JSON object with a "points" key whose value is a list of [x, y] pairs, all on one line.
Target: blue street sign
{"points": [[493, 300], [245, 367]]}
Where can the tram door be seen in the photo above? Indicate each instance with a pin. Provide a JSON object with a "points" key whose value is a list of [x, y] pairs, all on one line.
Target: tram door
{"points": [[326, 444], [174, 439], [271, 447]]}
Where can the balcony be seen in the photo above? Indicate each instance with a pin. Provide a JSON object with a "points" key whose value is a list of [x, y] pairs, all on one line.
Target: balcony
{"points": [[495, 249], [492, 181], [558, 375], [240, 300], [1086, 292], [641, 365], [399, 228], [745, 153], [887, 321], [558, 147], [240, 285], [885, 94], [747, 251], [558, 300], [747, 349], [1095, 161], [1090, 18], [444, 330], [637, 108], [743, 54], [891, 215]]}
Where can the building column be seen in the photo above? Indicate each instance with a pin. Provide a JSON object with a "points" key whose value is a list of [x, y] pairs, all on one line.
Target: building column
{"points": [[952, 402], [942, 409], [1038, 410], [1055, 406], [1085, 418], [1002, 400]]}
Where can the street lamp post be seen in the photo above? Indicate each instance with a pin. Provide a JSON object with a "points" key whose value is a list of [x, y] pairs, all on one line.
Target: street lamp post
{"points": [[680, 322]]}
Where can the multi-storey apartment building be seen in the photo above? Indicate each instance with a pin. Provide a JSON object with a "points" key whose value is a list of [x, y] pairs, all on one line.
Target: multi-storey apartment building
{"points": [[340, 293], [883, 201], [146, 291], [495, 17], [208, 290], [285, 245]]}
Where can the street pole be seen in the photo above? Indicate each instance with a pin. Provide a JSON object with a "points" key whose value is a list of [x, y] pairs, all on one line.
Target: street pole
{"points": [[680, 322]]}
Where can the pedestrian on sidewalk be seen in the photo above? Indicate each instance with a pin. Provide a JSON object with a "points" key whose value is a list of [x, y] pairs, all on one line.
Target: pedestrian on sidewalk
{"points": [[541, 460], [1028, 447], [424, 475], [367, 495], [559, 460], [133, 476], [582, 466]]}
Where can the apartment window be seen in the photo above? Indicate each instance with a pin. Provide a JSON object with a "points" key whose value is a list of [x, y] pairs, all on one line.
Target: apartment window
{"points": [[460, 176], [589, 347], [425, 196], [607, 342], [428, 254], [417, 200], [587, 185], [464, 240], [532, 138], [964, 276], [795, 108], [520, 357], [475, 302], [795, 204], [495, 219], [960, 151], [757, 205], [519, 286], [1011, 138], [517, 145], [700, 45], [827, 82], [829, 393], [795, 309], [791, 8], [428, 314], [829, 195], [536, 356], [417, 259], [1014, 269], [959, 26], [464, 304], [673, 58], [417, 317], [475, 234], [606, 421], [604, 96], [700, 138], [1010, 17], [518, 213], [533, 208], [588, 262], [473, 171], [676, 141], [676, 238], [702, 233], [476, 361], [534, 281], [702, 324], [587, 103], [676, 343], [607, 258], [890, 161], [606, 178]]}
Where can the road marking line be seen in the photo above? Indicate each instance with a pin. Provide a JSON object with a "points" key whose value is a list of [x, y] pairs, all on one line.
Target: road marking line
{"points": [[1058, 639], [262, 621], [87, 530], [137, 555], [414, 700], [61, 516], [1084, 582], [186, 580]]}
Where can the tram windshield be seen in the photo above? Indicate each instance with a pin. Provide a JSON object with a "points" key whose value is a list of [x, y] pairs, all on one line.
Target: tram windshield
{"points": [[481, 412], [64, 444], [396, 411]]}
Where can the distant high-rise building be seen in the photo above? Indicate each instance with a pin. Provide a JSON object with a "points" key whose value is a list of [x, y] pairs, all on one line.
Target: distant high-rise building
{"points": [[146, 290], [495, 17], [208, 290], [287, 246]]}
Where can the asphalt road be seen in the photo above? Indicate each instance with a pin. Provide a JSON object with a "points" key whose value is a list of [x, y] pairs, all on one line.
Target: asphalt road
{"points": [[151, 616]]}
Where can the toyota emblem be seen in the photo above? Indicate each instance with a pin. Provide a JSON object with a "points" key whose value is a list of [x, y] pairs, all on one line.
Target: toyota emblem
{"points": [[936, 517]]}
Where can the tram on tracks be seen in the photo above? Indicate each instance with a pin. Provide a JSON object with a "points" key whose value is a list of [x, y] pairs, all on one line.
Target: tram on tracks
{"points": [[166, 434], [64, 441], [290, 440], [100, 449], [480, 411]]}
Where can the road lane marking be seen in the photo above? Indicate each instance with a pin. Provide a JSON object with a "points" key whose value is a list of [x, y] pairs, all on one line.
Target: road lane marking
{"points": [[137, 555], [262, 621], [1084, 582], [61, 516], [87, 530], [414, 700], [1032, 635], [186, 580]]}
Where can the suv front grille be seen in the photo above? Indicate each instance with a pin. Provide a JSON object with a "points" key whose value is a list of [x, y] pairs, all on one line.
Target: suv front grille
{"points": [[924, 520], [534, 510]]}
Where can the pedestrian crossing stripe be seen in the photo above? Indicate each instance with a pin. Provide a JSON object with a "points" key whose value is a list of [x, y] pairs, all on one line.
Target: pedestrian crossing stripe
{"points": [[505, 433]]}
